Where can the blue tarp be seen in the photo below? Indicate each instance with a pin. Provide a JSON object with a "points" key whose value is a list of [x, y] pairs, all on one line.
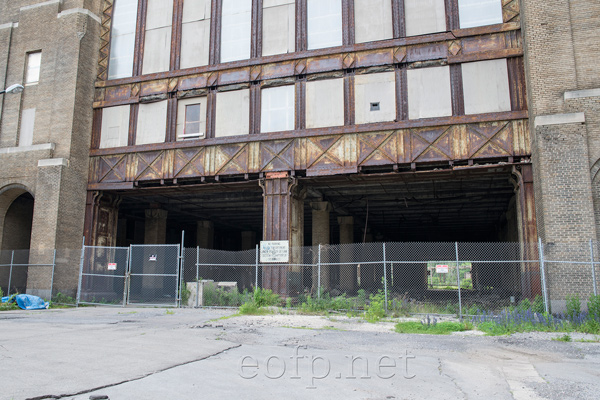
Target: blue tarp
{"points": [[27, 302]]}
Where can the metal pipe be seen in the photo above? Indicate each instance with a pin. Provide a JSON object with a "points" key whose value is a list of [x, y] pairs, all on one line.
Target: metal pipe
{"points": [[458, 281], [543, 273], [385, 291], [80, 271], [256, 269], [52, 277], [319, 273], [593, 267], [198, 276], [12, 257]]}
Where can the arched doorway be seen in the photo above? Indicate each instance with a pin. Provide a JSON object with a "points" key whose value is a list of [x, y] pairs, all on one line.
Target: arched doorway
{"points": [[16, 217]]}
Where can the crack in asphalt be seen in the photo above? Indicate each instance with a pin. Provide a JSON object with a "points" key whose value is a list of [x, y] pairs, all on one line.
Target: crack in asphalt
{"points": [[62, 396]]}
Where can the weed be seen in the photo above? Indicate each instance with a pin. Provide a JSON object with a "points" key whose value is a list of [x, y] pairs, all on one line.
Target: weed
{"points": [[61, 298], [440, 328], [184, 294], [573, 306], [564, 338], [265, 297], [169, 312], [376, 308], [594, 307], [538, 305]]}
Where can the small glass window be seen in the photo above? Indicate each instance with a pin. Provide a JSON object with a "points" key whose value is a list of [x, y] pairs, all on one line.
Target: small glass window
{"points": [[122, 39], [324, 23], [479, 12], [192, 120], [277, 106], [34, 61], [236, 27]]}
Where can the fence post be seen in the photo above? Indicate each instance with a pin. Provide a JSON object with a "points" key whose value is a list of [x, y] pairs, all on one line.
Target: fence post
{"points": [[385, 289], [80, 271], [256, 263], [543, 273], [12, 257], [52, 277], [198, 277], [180, 277], [319, 273], [458, 281], [125, 276], [593, 267]]}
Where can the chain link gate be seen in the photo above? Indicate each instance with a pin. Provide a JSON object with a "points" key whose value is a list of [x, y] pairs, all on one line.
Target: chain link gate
{"points": [[154, 275], [103, 275]]}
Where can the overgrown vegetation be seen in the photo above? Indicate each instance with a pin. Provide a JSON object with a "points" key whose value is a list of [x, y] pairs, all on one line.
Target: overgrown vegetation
{"points": [[217, 297], [260, 299], [526, 317], [10, 304], [431, 326], [62, 299]]}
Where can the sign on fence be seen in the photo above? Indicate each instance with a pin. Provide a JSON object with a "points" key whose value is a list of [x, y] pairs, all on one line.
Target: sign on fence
{"points": [[277, 251], [441, 269]]}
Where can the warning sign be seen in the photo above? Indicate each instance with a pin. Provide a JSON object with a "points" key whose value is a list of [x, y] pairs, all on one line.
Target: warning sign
{"points": [[112, 266], [277, 251], [441, 269]]}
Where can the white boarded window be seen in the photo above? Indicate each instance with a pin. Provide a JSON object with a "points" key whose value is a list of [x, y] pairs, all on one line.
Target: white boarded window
{"points": [[279, 27], [325, 103], [429, 93], [27, 125], [152, 123], [191, 118], [115, 127], [486, 88], [375, 97], [479, 12], [373, 20], [424, 16], [233, 113], [122, 39], [236, 27], [34, 62], [195, 33], [277, 109], [157, 44], [324, 23]]}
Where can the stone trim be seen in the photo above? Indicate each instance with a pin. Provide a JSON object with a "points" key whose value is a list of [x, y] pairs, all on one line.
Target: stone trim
{"points": [[560, 119], [578, 94], [53, 162], [35, 147], [9, 25], [46, 3], [80, 11]]}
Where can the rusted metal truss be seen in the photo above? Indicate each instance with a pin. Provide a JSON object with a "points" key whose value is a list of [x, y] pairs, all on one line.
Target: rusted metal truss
{"points": [[318, 155]]}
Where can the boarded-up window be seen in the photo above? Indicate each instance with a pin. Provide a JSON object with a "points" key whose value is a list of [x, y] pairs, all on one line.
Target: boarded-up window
{"points": [[236, 26], [157, 45], [34, 62], [279, 29], [233, 113], [115, 127], [372, 20], [191, 118], [122, 39], [479, 12], [27, 125], [277, 112], [485, 85], [424, 16], [324, 23], [375, 96], [195, 33], [152, 123], [325, 103], [429, 93]]}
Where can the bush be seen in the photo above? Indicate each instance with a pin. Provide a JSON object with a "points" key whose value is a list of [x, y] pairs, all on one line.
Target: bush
{"points": [[594, 307], [214, 296], [538, 305], [265, 297], [573, 307], [376, 308]]}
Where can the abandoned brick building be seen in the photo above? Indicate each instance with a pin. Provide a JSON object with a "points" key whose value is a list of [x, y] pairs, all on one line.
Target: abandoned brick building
{"points": [[313, 121]]}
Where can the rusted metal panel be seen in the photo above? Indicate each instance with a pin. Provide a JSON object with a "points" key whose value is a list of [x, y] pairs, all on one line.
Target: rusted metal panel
{"points": [[193, 82], [235, 159], [149, 166], [235, 76], [432, 51], [154, 87], [374, 58], [189, 162], [324, 64], [281, 70], [378, 148], [476, 44], [116, 93], [277, 155]]}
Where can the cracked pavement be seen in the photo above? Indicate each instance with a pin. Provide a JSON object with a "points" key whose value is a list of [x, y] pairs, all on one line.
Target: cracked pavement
{"points": [[151, 353]]}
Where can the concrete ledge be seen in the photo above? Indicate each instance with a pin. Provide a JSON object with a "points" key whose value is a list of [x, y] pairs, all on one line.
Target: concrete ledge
{"points": [[80, 11], [9, 25], [578, 94], [46, 3], [53, 162], [35, 147], [560, 119]]}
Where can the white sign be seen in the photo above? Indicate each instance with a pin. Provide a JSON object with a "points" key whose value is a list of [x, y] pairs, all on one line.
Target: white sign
{"points": [[441, 269], [152, 257], [277, 251], [112, 266]]}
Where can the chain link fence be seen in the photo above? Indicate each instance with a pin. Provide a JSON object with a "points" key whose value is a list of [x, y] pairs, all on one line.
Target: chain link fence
{"points": [[442, 278]]}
